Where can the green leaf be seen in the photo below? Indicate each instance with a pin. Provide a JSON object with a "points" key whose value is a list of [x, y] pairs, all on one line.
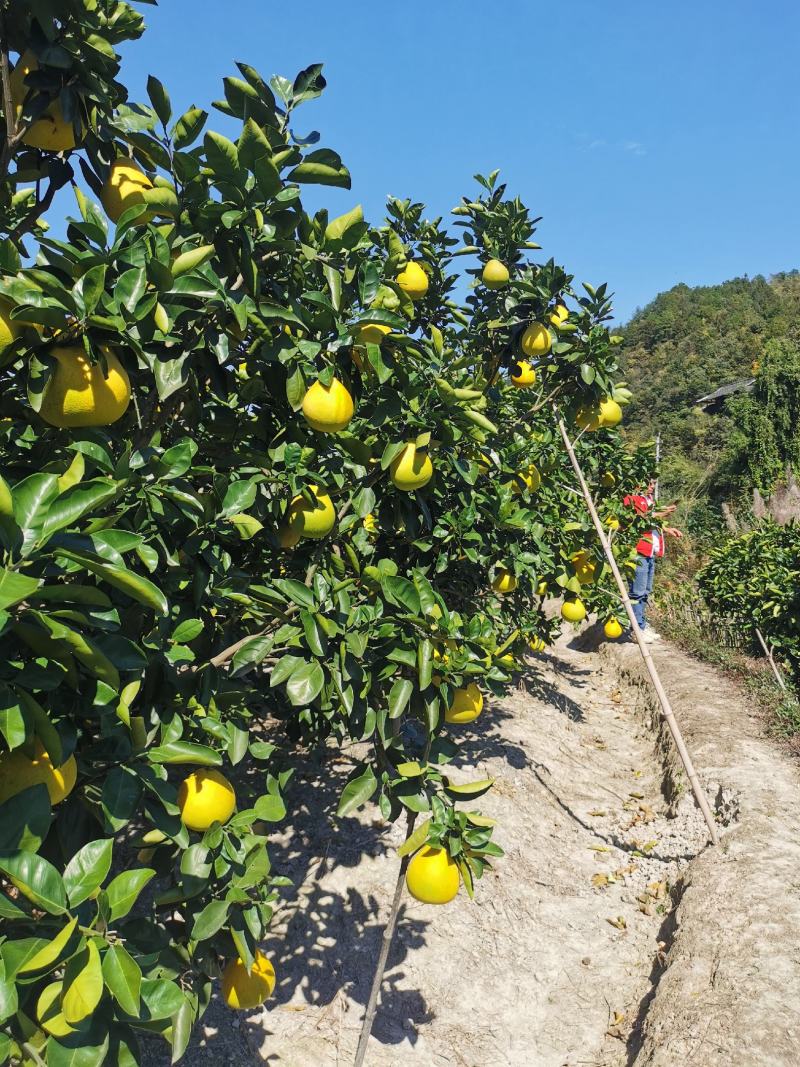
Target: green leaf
{"points": [[296, 592], [37, 880], [188, 261], [122, 791], [322, 167], [134, 585], [75, 502], [159, 98], [15, 587], [246, 525], [415, 840], [338, 227], [189, 127], [211, 919], [270, 807], [469, 789], [8, 1003], [187, 631], [123, 976], [87, 870], [255, 153], [51, 954], [123, 891], [399, 697], [305, 684], [83, 985], [222, 156], [25, 820], [184, 752], [13, 719], [361, 785]]}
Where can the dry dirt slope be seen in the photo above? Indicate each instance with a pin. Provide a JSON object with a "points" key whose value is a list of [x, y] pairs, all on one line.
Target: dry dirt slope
{"points": [[572, 953]]}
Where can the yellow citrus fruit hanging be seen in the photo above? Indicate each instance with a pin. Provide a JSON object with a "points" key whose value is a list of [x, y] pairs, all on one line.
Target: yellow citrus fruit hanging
{"points": [[18, 772], [504, 581], [243, 989], [288, 536], [369, 523], [9, 328], [466, 706], [312, 520], [50, 131], [559, 316], [584, 565], [607, 480], [536, 341], [328, 408], [573, 610], [79, 394], [495, 274], [529, 478], [536, 644], [432, 876], [372, 333], [612, 523], [413, 281], [610, 412], [411, 469], [125, 186], [541, 589], [205, 797], [523, 375], [612, 629]]}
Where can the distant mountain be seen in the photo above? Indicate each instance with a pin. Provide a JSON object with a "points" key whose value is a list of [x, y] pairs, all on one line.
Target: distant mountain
{"points": [[683, 346]]}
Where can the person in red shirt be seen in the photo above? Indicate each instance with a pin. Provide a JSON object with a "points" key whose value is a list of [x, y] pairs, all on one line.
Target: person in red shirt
{"points": [[650, 548]]}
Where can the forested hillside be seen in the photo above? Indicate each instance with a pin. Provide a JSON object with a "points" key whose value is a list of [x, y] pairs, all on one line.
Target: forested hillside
{"points": [[687, 343]]}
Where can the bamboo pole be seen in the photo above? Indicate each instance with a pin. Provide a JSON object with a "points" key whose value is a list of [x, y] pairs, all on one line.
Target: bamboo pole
{"points": [[768, 653], [663, 699], [386, 944]]}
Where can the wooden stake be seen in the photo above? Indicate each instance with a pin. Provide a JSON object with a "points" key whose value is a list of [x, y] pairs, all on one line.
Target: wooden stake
{"points": [[386, 944], [771, 659], [663, 699]]}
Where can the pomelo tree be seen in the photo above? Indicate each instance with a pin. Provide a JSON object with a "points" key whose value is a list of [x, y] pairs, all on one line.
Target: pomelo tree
{"points": [[265, 482]]}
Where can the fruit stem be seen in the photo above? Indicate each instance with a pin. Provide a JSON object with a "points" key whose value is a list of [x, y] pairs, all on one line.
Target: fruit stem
{"points": [[388, 936]]}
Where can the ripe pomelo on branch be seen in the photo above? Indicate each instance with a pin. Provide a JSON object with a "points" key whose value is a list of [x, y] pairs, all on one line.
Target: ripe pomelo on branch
{"points": [[432, 876], [495, 274], [328, 408], [243, 989], [559, 315], [18, 772], [504, 581], [411, 469], [372, 333], [50, 131], [311, 520], [523, 374], [413, 281], [573, 610], [466, 706], [205, 797], [78, 393], [613, 629], [125, 186], [536, 341]]}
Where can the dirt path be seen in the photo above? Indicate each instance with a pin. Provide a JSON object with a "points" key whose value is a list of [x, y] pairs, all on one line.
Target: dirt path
{"points": [[551, 964]]}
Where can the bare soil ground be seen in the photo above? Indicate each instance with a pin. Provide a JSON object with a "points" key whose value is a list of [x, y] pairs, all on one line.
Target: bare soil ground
{"points": [[554, 963]]}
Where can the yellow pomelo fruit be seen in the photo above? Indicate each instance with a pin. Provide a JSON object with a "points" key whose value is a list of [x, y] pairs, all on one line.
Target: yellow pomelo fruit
{"points": [[529, 478], [413, 281], [612, 523], [50, 132], [537, 645], [243, 989], [524, 375], [467, 704], [584, 565], [559, 315], [573, 610], [588, 418], [504, 581], [411, 469], [495, 274], [536, 341], [372, 334], [125, 186], [314, 521], [328, 408], [9, 328], [610, 412], [432, 876], [608, 481], [612, 629], [205, 797], [77, 393], [369, 523], [541, 589], [18, 772]]}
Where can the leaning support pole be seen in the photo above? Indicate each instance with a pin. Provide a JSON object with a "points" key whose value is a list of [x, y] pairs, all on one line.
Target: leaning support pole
{"points": [[771, 660], [666, 707]]}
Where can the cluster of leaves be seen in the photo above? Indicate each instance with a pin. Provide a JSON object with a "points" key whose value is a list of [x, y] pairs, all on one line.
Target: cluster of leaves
{"points": [[151, 617], [752, 581]]}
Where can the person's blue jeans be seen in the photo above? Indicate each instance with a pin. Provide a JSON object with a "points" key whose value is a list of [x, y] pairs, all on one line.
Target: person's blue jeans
{"points": [[642, 587]]}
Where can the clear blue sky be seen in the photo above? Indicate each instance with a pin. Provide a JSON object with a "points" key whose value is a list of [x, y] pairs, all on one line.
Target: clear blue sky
{"points": [[660, 141]]}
